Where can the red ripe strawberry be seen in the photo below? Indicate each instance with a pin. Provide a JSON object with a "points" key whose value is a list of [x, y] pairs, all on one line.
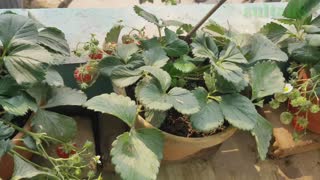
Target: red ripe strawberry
{"points": [[65, 151], [83, 75], [127, 39], [97, 55], [299, 123]]}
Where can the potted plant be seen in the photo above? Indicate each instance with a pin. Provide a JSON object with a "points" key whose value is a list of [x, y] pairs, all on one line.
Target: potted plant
{"points": [[29, 89], [171, 92], [298, 34]]}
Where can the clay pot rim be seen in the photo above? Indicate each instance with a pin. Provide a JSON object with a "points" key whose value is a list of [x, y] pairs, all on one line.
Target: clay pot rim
{"points": [[227, 131]]}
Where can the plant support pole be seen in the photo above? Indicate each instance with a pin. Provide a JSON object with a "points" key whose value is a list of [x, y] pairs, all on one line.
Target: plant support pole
{"points": [[205, 18]]}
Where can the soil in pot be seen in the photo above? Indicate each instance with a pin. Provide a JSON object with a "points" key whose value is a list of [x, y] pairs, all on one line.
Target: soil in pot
{"points": [[180, 125]]}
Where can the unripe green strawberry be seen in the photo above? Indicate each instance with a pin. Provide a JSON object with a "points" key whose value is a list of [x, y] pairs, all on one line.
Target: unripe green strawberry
{"points": [[286, 118], [280, 97], [314, 108], [295, 93], [274, 104]]}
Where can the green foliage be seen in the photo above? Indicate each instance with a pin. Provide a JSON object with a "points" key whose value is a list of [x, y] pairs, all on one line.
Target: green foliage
{"points": [[5, 146], [113, 34], [146, 15], [5, 131], [273, 31], [137, 154], [298, 9]]}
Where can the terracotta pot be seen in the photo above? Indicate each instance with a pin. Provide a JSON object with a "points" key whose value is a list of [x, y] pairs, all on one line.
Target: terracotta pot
{"points": [[177, 148], [313, 118], [6, 162], [182, 148]]}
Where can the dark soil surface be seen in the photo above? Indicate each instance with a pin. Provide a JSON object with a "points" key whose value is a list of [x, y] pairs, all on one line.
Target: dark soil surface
{"points": [[180, 125]]}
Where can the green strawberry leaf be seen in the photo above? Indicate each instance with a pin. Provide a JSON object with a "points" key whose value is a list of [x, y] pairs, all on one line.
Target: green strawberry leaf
{"points": [[156, 118], [162, 76], [266, 79], [150, 95], [54, 39], [125, 51], [27, 63], [5, 146], [210, 115], [239, 111], [225, 86], [137, 154], [264, 49], [24, 170], [123, 77], [64, 96], [273, 31], [232, 54], [53, 78], [16, 29], [303, 53], [155, 57], [150, 43], [215, 27], [204, 46], [117, 105], [54, 125], [175, 47], [263, 134], [5, 131], [18, 105], [108, 64], [8, 86], [230, 71], [299, 9], [184, 64], [210, 81], [146, 15], [113, 34]]}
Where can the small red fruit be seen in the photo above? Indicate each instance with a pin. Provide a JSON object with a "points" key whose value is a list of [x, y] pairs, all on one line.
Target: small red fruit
{"points": [[83, 75], [110, 47], [299, 123], [97, 55], [64, 151]]}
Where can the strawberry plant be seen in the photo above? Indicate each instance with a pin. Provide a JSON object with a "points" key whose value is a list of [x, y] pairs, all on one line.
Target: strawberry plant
{"points": [[29, 89], [298, 34], [215, 80]]}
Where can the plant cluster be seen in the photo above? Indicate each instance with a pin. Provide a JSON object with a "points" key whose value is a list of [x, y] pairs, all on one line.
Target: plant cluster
{"points": [[29, 88], [218, 77], [298, 35]]}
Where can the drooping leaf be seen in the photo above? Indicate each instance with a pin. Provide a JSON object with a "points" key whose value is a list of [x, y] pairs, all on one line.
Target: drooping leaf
{"points": [[232, 54], [204, 46], [125, 51], [155, 118], [5, 131], [117, 105], [184, 64], [298, 9], [263, 134], [27, 63], [155, 57], [17, 29], [113, 34], [56, 125], [5, 146], [304, 53], [54, 39], [210, 115], [18, 105], [137, 154], [64, 96], [239, 111], [123, 77], [266, 79], [264, 49], [273, 31], [24, 170], [162, 76], [146, 15], [53, 78]]}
